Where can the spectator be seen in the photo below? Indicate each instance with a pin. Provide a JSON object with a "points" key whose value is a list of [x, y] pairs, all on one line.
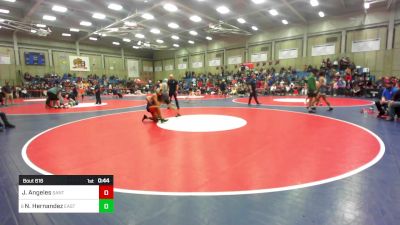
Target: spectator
{"points": [[8, 93], [387, 95], [394, 106]]}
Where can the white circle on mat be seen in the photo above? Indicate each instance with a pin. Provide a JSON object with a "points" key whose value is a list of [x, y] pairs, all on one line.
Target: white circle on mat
{"points": [[89, 104], [290, 100], [203, 123], [190, 97]]}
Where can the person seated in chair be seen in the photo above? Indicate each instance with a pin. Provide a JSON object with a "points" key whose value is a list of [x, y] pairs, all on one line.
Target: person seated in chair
{"points": [[387, 95], [394, 106]]}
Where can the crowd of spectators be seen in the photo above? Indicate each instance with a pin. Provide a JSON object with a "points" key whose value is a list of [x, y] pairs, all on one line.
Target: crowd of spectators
{"points": [[342, 75]]}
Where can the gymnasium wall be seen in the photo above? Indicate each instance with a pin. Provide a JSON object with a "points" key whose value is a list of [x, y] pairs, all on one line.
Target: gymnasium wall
{"points": [[103, 60], [303, 37]]}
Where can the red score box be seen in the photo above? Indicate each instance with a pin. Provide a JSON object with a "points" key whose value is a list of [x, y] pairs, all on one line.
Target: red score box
{"points": [[106, 192]]}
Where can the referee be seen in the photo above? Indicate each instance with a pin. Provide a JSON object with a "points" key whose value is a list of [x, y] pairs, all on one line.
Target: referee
{"points": [[173, 87]]}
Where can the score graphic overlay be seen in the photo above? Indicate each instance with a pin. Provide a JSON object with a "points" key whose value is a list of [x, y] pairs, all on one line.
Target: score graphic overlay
{"points": [[66, 194]]}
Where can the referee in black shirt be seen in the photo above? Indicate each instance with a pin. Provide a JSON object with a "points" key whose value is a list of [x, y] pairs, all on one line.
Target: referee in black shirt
{"points": [[173, 87]]}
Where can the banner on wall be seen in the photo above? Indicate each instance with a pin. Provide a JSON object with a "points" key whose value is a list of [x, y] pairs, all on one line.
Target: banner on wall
{"points": [[79, 63], [326, 49], [259, 57], [158, 69], [182, 66], [169, 68], [197, 65], [214, 62], [366, 45], [147, 68], [133, 68], [5, 59], [288, 53], [233, 60]]}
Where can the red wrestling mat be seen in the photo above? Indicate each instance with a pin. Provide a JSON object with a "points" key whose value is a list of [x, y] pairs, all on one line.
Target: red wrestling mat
{"points": [[275, 150], [89, 106], [299, 101]]}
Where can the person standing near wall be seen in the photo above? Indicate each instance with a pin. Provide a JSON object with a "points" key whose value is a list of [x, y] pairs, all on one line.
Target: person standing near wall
{"points": [[97, 92], [8, 92]]}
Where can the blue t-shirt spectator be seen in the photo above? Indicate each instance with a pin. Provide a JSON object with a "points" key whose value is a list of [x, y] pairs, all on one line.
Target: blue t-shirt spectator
{"points": [[389, 92]]}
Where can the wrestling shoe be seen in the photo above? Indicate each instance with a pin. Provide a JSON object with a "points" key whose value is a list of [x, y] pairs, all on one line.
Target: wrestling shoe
{"points": [[10, 125]]}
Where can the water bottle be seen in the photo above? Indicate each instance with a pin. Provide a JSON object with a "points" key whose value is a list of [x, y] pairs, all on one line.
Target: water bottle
{"points": [[365, 113]]}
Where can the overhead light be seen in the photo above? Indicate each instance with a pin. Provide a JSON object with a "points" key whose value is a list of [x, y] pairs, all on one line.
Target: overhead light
{"points": [[93, 39], [9, 0], [170, 7], [130, 24], [209, 38], [321, 14], [141, 36], [135, 47], [114, 6], [195, 18], [258, 1], [254, 28], [86, 23], [2, 20], [59, 8], [139, 43], [73, 30], [103, 35], [6, 11], [191, 42], [99, 16], [273, 12], [241, 20], [114, 29], [38, 25], [173, 25], [176, 45], [126, 40], [147, 16], [285, 22], [223, 9], [367, 5], [50, 18], [314, 3], [66, 35], [175, 37], [193, 32], [155, 31], [33, 31], [116, 43], [146, 44], [159, 41]]}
